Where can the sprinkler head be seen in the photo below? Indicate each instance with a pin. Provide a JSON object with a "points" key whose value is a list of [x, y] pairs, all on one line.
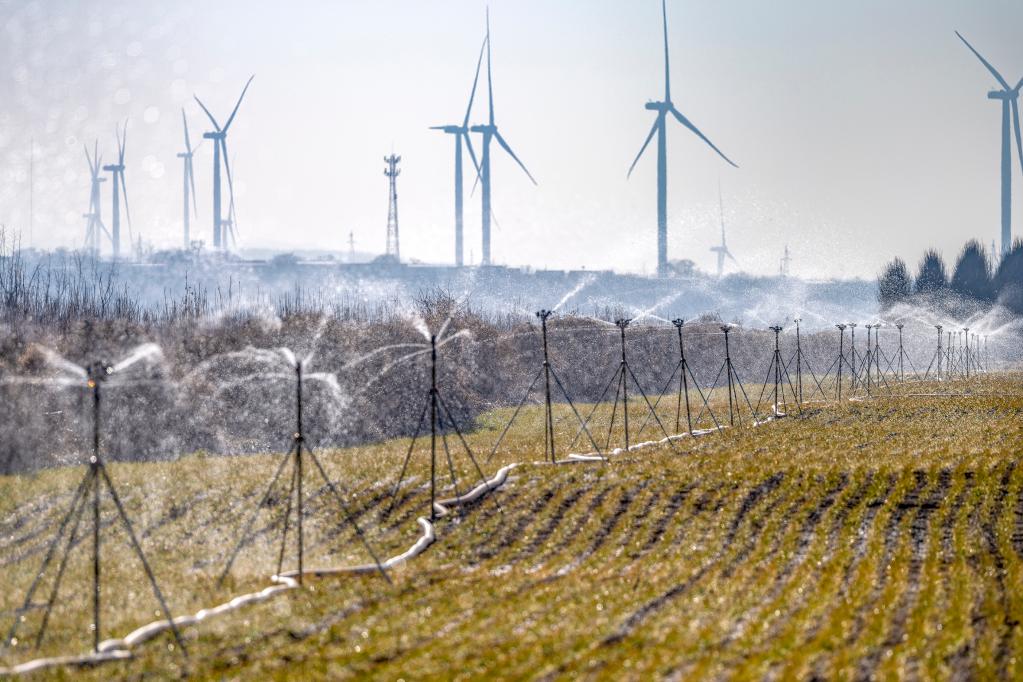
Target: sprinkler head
{"points": [[776, 329], [726, 328], [98, 372], [840, 327], [797, 320], [622, 322], [852, 325], [899, 326], [679, 322], [544, 314]]}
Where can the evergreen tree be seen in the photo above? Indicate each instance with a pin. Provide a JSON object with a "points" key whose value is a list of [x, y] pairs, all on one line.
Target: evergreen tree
{"points": [[931, 277], [894, 285], [972, 275]]}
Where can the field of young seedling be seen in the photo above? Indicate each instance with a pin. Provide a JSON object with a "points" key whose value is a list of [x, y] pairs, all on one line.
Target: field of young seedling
{"points": [[873, 537]]}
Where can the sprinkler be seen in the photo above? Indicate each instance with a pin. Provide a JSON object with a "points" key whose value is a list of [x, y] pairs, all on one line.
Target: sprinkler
{"points": [[296, 456], [88, 494], [547, 372], [841, 357], [438, 410]]}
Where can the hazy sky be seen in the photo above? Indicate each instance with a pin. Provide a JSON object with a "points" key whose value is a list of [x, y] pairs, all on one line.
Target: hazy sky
{"points": [[862, 130]]}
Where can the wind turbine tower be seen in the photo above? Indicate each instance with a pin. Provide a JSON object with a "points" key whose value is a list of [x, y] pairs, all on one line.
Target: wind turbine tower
{"points": [[219, 137], [489, 132], [116, 171], [660, 128], [461, 132], [94, 227], [392, 172], [722, 250], [1009, 97], [188, 184], [786, 260]]}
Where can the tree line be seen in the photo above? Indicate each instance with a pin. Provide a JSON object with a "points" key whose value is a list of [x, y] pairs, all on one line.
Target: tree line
{"points": [[975, 281]]}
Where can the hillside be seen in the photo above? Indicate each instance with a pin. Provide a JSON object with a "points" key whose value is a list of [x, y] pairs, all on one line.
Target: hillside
{"points": [[876, 537]]}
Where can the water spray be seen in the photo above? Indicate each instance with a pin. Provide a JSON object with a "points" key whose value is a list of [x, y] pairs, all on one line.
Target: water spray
{"points": [[547, 372], [95, 479]]}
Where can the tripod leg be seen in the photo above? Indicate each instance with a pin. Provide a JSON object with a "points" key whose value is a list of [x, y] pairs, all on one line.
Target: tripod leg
{"points": [[576, 412], [710, 392], [614, 411], [792, 388], [50, 551], [738, 382], [706, 404], [451, 468], [515, 414], [60, 572], [820, 387], [658, 401], [252, 517], [770, 370], [142, 557], [458, 432], [651, 408], [408, 457], [287, 520], [351, 519], [594, 408]]}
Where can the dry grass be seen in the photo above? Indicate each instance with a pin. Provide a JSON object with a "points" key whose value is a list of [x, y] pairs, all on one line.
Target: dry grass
{"points": [[879, 537]]}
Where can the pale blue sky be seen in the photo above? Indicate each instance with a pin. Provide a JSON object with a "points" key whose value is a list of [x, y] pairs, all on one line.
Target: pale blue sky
{"points": [[862, 129]]}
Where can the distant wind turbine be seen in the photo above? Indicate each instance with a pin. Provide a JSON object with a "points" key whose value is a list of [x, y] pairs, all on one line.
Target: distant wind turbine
{"points": [[461, 132], [94, 227], [722, 250], [188, 183], [219, 137], [660, 128], [116, 171], [1009, 97], [489, 132]]}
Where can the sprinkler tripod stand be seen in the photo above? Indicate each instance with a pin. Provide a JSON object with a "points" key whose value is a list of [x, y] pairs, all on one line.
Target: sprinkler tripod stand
{"points": [[296, 499], [438, 410], [731, 380], [800, 361], [685, 375], [621, 376], [96, 477], [935, 358], [547, 372], [778, 370]]}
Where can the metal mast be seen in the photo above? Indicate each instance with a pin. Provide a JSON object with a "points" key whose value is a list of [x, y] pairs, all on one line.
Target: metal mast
{"points": [[392, 172]]}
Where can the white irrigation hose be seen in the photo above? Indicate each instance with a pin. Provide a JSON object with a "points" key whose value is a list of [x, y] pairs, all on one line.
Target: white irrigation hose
{"points": [[120, 649]]}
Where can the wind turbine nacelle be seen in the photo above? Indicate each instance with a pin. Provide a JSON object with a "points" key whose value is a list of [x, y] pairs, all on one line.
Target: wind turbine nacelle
{"points": [[213, 136], [1002, 95], [657, 106], [484, 129], [113, 169]]}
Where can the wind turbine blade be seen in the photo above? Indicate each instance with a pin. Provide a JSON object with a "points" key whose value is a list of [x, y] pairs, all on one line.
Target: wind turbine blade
{"points": [[504, 145], [472, 155], [230, 182], [490, 82], [191, 181], [685, 121], [729, 254], [216, 126], [240, 98], [123, 144], [985, 62], [127, 211], [645, 144], [475, 82], [184, 120], [88, 158], [667, 71], [1015, 125]]}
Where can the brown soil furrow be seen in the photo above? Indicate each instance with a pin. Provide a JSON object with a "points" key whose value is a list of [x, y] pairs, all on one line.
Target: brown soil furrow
{"points": [[675, 503], [918, 531], [636, 618]]}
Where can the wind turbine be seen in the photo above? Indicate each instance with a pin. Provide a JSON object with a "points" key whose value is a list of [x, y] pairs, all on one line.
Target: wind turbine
{"points": [[461, 132], [722, 250], [219, 137], [490, 132], [94, 227], [188, 181], [660, 128], [1009, 97], [116, 171]]}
